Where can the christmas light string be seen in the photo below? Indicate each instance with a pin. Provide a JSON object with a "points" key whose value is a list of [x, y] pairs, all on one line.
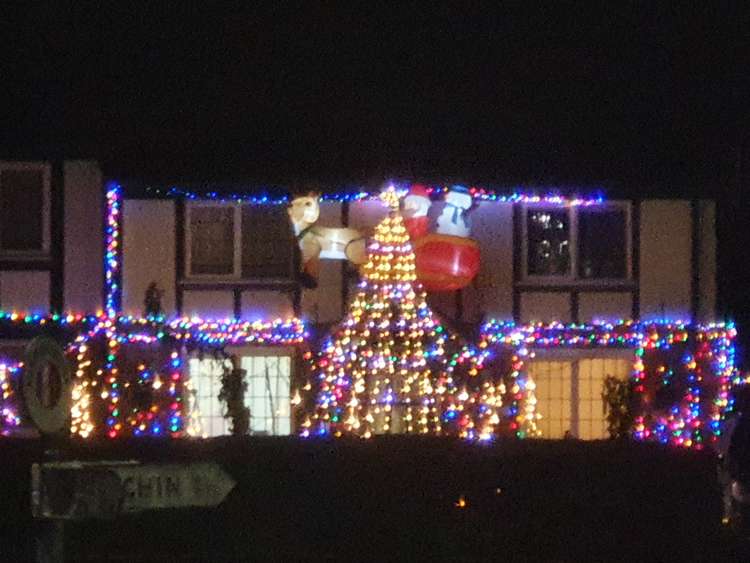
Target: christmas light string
{"points": [[544, 196], [709, 357], [113, 254], [9, 413]]}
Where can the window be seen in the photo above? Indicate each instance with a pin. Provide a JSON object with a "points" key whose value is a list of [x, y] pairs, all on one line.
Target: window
{"points": [[602, 248], [553, 388], [212, 244], [569, 394], [24, 194], [577, 244], [267, 242], [592, 421], [549, 243], [231, 241], [205, 380], [267, 394]]}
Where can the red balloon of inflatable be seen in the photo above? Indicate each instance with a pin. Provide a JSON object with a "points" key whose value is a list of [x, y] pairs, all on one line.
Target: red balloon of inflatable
{"points": [[446, 262]]}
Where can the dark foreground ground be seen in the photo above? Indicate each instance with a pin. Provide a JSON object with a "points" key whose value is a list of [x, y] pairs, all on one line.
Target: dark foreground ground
{"points": [[395, 499]]}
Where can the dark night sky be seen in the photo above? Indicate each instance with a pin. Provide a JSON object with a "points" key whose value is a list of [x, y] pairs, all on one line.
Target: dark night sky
{"points": [[649, 100]]}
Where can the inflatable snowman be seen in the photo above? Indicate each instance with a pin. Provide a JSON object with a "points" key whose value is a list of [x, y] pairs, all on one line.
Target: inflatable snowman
{"points": [[453, 220]]}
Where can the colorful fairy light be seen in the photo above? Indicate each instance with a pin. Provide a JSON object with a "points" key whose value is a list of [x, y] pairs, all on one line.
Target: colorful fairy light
{"points": [[545, 196], [81, 421], [706, 360], [19, 319], [170, 409], [113, 254], [9, 413], [212, 332], [385, 368]]}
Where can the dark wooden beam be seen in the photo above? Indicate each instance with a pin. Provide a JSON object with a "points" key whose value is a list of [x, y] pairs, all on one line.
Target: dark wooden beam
{"points": [[57, 237], [635, 255]]}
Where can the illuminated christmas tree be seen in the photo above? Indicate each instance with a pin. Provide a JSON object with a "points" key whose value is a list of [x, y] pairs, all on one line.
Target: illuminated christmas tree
{"points": [[387, 367]]}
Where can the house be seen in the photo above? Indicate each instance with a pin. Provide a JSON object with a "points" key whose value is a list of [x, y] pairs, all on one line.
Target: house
{"points": [[216, 253]]}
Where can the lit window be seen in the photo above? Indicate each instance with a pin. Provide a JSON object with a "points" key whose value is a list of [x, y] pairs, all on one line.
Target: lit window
{"points": [[205, 381], [268, 394], [553, 388], [569, 395], [592, 416], [548, 243], [24, 209]]}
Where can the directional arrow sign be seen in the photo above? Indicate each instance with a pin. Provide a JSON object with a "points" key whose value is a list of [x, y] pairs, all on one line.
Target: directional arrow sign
{"points": [[74, 489]]}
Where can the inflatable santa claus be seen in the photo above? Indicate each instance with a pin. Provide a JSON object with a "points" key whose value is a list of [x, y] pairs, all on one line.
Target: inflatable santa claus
{"points": [[447, 259]]}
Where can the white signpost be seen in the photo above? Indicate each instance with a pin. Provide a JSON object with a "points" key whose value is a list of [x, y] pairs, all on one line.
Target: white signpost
{"points": [[69, 490]]}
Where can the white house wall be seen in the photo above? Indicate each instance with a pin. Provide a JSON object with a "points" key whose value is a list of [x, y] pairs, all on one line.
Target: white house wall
{"points": [[83, 248], [149, 252], [266, 305], [604, 306], [208, 304], [323, 304], [665, 261], [69, 275], [545, 307], [27, 291], [491, 293], [707, 261], [365, 215]]}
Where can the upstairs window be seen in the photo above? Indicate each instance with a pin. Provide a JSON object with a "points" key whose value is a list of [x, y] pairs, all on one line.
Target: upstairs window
{"points": [[548, 243], [267, 243], [212, 231], [602, 244], [238, 242], [586, 244], [24, 208]]}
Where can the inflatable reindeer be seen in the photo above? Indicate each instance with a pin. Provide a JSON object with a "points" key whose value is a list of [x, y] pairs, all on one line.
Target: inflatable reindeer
{"points": [[315, 242]]}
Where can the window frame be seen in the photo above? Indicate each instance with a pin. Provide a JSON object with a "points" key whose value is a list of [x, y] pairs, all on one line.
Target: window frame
{"points": [[236, 274], [574, 358], [572, 277], [46, 170], [236, 277]]}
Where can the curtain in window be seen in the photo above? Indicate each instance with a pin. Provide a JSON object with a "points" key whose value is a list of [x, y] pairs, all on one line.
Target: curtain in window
{"points": [[212, 240], [267, 242], [601, 244], [21, 210]]}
